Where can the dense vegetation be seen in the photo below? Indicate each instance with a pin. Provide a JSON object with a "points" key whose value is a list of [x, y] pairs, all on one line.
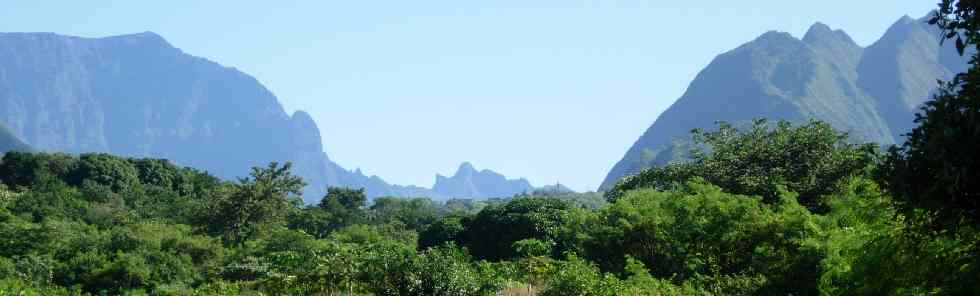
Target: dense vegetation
{"points": [[766, 209], [100, 224]]}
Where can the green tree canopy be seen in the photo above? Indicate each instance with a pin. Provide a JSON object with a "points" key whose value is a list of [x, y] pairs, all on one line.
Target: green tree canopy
{"points": [[254, 201], [699, 230], [492, 232], [347, 198], [810, 159]]}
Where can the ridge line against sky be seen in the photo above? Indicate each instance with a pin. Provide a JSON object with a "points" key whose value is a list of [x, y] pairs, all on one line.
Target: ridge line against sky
{"points": [[551, 91]]}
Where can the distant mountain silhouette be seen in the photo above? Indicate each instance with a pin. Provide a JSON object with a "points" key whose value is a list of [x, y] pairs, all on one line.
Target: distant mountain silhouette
{"points": [[873, 93], [10, 142], [468, 182], [136, 95]]}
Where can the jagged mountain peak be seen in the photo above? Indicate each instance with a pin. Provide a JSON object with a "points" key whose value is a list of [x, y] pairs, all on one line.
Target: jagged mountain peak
{"points": [[302, 116], [901, 68], [902, 27], [820, 32], [137, 95], [870, 92], [775, 38], [904, 20], [465, 168], [468, 182], [818, 28]]}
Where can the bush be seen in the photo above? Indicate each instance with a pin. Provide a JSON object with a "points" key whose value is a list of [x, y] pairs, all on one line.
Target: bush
{"points": [[701, 231]]}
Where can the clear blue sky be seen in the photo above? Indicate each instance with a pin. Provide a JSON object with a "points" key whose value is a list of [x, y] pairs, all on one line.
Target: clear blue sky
{"points": [[548, 90]]}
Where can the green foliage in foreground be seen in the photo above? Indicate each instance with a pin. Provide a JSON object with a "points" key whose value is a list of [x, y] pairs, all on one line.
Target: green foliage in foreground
{"points": [[99, 224], [701, 231], [809, 159]]}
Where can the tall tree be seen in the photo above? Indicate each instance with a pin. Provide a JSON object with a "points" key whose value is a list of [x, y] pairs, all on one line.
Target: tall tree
{"points": [[255, 201]]}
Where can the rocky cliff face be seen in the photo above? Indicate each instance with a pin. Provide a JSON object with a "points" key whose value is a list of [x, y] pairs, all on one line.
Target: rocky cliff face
{"points": [[870, 92], [136, 95]]}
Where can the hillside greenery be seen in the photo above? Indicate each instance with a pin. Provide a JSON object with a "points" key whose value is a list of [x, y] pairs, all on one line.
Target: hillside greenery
{"points": [[97, 224]]}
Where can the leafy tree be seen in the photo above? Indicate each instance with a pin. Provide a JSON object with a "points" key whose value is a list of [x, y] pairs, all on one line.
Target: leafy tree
{"points": [[491, 233], [700, 231], [375, 234], [314, 221], [445, 270], [532, 248], [105, 169], [873, 249], [577, 277], [25, 169], [810, 159], [158, 172], [413, 213], [443, 230], [347, 198], [252, 202], [49, 198], [588, 200], [339, 208], [958, 21]]}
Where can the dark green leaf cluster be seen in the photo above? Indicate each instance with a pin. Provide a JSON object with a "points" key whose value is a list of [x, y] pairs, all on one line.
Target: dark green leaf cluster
{"points": [[937, 167], [959, 22]]}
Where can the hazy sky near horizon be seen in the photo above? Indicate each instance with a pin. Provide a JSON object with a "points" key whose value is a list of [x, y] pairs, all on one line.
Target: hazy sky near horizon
{"points": [[547, 90]]}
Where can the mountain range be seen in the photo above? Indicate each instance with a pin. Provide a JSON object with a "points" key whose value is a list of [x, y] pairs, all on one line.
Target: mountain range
{"points": [[137, 95], [871, 92]]}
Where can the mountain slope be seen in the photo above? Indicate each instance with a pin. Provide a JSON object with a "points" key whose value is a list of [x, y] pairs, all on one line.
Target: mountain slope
{"points": [[137, 95], [901, 68], [870, 92], [10, 142]]}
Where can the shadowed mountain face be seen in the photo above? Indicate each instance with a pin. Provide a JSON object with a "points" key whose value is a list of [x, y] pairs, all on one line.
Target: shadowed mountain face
{"points": [[136, 95], [10, 142], [872, 92]]}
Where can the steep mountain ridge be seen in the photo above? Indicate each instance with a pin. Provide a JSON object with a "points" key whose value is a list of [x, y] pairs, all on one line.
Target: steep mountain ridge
{"points": [[870, 92], [10, 142], [137, 95]]}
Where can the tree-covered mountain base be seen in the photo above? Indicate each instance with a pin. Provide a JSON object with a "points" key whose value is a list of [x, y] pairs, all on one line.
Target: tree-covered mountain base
{"points": [[784, 219]]}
